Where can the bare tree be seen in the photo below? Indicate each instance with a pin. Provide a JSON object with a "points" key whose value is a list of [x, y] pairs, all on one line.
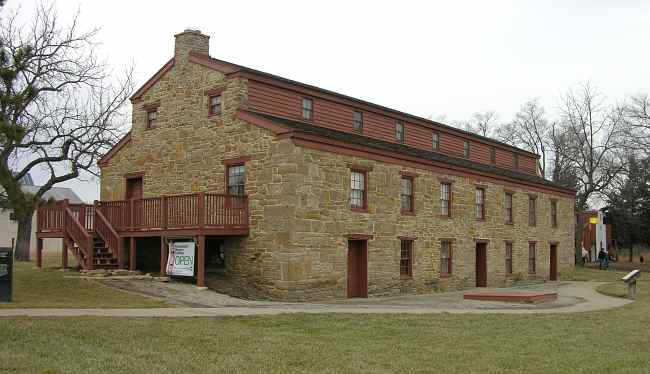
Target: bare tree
{"points": [[597, 137], [482, 123], [59, 109], [530, 130], [637, 113]]}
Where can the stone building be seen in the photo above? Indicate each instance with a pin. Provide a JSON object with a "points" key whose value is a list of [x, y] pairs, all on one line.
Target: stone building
{"points": [[342, 197]]}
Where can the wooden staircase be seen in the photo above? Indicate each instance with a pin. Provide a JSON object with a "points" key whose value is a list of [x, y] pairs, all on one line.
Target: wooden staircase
{"points": [[103, 257]]}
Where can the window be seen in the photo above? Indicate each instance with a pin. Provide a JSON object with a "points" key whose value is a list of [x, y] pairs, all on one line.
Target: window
{"points": [[358, 121], [399, 131], [406, 194], [445, 199], [236, 179], [445, 257], [508, 258], [493, 155], [406, 259], [358, 190], [508, 204], [307, 108], [466, 149], [152, 117], [215, 105], [435, 140], [480, 203], [532, 210], [531, 257], [553, 213], [515, 161]]}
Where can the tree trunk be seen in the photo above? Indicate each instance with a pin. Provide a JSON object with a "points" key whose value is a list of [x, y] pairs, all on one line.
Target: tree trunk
{"points": [[24, 236]]}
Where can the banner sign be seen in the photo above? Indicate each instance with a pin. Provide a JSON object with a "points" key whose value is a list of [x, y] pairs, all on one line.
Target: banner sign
{"points": [[180, 261]]}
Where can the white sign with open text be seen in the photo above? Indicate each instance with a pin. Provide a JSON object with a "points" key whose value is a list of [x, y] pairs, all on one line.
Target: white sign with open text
{"points": [[180, 261]]}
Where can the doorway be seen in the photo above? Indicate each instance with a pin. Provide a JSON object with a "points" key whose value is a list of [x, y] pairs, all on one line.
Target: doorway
{"points": [[133, 188], [553, 265], [481, 264], [357, 268]]}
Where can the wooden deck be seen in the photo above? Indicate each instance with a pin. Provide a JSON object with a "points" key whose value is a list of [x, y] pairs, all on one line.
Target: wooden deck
{"points": [[174, 215]]}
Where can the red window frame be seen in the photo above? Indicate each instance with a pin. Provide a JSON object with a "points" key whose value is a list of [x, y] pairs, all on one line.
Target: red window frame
{"points": [[211, 112], [435, 140], [307, 112], [411, 178], [151, 123], [449, 200], [515, 161], [532, 258], [508, 258], [479, 200], [449, 259], [509, 200], [357, 121], [406, 258], [493, 155], [364, 207], [400, 131], [466, 149]]}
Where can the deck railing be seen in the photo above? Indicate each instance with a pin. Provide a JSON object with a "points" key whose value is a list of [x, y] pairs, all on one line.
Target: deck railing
{"points": [[190, 211]]}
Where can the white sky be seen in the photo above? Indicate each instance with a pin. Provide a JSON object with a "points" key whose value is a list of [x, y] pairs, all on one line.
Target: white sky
{"points": [[435, 58]]}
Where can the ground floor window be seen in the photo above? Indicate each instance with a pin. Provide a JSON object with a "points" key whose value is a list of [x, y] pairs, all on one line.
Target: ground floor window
{"points": [[445, 257], [508, 258], [406, 258], [531, 257]]}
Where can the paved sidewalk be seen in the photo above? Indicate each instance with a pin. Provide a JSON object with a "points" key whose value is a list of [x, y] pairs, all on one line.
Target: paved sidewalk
{"points": [[585, 292]]}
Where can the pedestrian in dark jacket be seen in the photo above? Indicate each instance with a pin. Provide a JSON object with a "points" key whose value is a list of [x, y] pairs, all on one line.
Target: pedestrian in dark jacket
{"points": [[602, 257]]}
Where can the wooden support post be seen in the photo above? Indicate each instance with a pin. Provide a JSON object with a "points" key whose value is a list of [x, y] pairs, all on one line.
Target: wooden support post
{"points": [[164, 212], [132, 250], [39, 252], [200, 259], [64, 252], [120, 253], [163, 256], [201, 211]]}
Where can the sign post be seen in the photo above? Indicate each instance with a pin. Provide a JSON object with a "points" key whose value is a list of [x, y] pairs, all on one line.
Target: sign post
{"points": [[181, 258]]}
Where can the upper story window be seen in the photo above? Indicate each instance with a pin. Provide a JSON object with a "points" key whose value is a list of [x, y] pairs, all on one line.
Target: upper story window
{"points": [[307, 108], [553, 213], [515, 161], [445, 199], [215, 105], [480, 203], [357, 121], [532, 254], [508, 207], [236, 180], [152, 118], [466, 149], [445, 257], [435, 140], [406, 194], [358, 190], [493, 155], [508, 258], [406, 259], [532, 210], [399, 131]]}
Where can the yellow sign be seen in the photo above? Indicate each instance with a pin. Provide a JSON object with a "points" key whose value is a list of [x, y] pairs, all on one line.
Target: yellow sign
{"points": [[593, 220]]}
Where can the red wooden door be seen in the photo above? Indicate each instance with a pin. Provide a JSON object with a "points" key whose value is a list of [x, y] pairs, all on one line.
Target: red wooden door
{"points": [[357, 268], [481, 265], [134, 188], [553, 265]]}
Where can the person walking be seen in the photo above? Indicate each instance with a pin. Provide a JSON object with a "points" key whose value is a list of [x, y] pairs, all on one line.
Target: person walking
{"points": [[584, 255], [602, 258]]}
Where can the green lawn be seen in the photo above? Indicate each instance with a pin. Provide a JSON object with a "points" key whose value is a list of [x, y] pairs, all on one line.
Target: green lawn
{"points": [[48, 288], [615, 341]]}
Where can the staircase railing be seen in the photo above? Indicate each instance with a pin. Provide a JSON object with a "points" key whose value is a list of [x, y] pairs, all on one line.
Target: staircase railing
{"points": [[106, 231], [78, 233]]}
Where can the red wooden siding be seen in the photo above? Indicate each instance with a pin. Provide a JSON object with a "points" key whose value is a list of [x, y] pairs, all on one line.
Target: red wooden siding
{"points": [[266, 98]]}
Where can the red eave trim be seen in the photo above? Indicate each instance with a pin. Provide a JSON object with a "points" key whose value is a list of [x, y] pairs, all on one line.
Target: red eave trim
{"points": [[267, 124], [335, 146], [156, 77], [205, 60], [116, 148]]}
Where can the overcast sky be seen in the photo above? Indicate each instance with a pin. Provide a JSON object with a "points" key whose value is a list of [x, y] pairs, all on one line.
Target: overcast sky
{"points": [[442, 58]]}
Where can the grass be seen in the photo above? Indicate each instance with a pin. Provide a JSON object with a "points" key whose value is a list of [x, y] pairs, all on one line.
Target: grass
{"points": [[613, 341], [52, 288]]}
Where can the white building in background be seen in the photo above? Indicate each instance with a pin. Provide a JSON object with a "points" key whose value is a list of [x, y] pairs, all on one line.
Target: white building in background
{"points": [[9, 227]]}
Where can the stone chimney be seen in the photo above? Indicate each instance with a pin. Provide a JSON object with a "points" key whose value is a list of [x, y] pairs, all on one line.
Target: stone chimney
{"points": [[190, 40]]}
